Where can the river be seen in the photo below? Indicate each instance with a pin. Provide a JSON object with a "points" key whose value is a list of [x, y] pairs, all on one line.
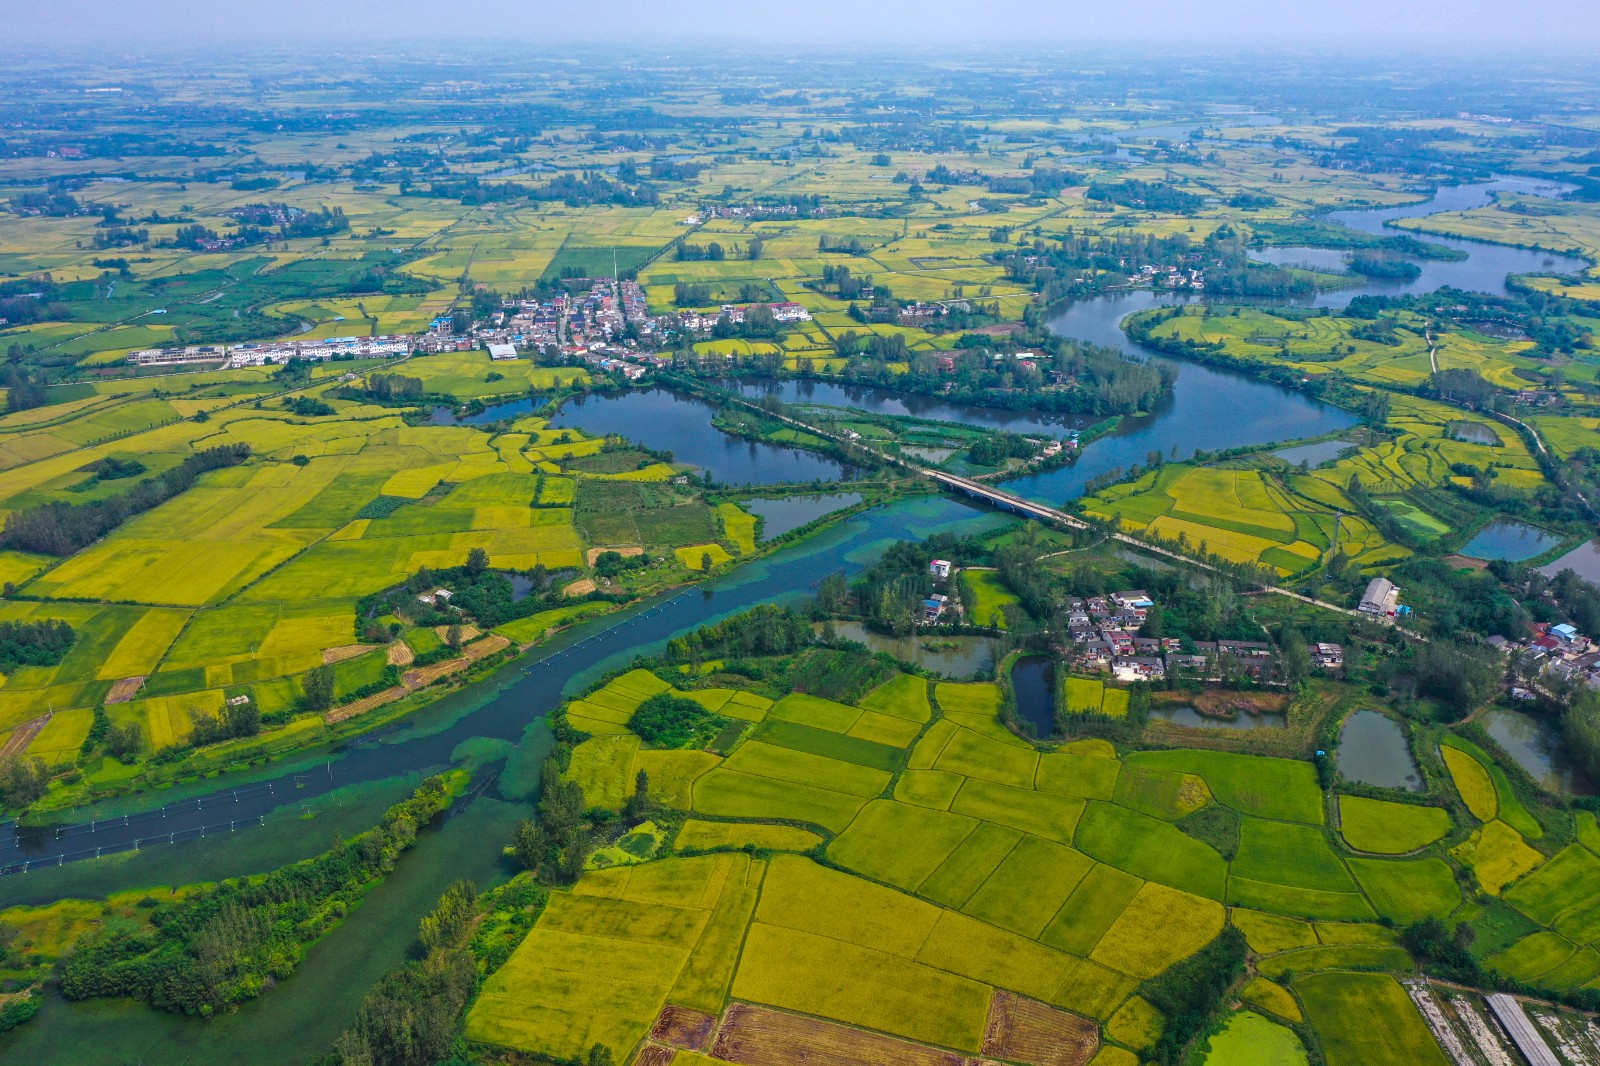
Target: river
{"points": [[258, 819]]}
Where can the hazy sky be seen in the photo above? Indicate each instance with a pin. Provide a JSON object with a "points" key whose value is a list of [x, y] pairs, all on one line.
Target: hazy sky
{"points": [[1383, 24]]}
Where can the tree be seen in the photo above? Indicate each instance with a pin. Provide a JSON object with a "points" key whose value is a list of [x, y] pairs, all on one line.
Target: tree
{"points": [[600, 1055], [22, 780], [452, 636], [123, 741], [477, 561], [317, 687], [639, 805], [705, 561]]}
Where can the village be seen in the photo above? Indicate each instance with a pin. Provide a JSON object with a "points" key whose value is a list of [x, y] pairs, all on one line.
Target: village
{"points": [[1102, 638], [609, 327]]}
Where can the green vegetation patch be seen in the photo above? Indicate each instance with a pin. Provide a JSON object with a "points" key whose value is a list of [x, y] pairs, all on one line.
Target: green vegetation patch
{"points": [[1390, 828], [1249, 1039], [1366, 1019], [899, 844], [1152, 849], [1284, 789], [1283, 854], [904, 696], [1407, 890], [827, 743], [970, 864], [1566, 882]]}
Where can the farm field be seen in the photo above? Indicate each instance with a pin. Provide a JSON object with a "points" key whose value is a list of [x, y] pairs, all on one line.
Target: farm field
{"points": [[293, 587], [247, 581], [991, 869]]}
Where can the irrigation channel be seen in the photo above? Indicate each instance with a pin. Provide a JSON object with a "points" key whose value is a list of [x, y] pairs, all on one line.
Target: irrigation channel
{"points": [[258, 819]]}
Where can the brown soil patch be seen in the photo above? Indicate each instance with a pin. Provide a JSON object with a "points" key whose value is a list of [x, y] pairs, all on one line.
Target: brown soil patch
{"points": [[362, 706], [996, 331], [761, 1036], [23, 735], [1225, 703], [595, 553], [343, 652], [122, 691], [581, 587], [682, 1027], [1025, 1030], [655, 1055], [468, 632], [400, 654], [1462, 562], [427, 675]]}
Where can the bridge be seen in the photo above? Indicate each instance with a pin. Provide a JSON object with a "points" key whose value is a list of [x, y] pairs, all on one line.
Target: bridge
{"points": [[1018, 505]]}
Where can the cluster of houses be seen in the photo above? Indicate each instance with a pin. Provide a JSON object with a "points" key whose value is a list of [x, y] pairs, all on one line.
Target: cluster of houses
{"points": [[1559, 652], [1102, 633], [239, 355], [1171, 277]]}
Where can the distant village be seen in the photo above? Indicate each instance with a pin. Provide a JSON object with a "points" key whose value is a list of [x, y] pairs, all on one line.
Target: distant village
{"points": [[590, 327]]}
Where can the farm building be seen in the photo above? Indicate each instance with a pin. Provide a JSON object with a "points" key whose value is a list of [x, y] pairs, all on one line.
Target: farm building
{"points": [[1381, 598]]}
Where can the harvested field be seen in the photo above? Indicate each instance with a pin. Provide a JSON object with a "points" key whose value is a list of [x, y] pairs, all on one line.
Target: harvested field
{"points": [[123, 690], [1025, 1030], [343, 652], [655, 1055], [761, 1036], [595, 553], [362, 706], [400, 654], [682, 1027], [23, 735]]}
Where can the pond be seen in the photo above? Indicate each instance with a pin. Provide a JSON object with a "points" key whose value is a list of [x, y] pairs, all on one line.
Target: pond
{"points": [[1584, 560], [495, 412], [669, 421], [1323, 451], [1535, 745], [1474, 433], [1033, 685], [952, 656], [1327, 260], [791, 512], [1507, 538], [1374, 751], [1185, 715]]}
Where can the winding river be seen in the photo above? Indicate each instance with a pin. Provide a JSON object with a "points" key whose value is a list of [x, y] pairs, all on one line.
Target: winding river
{"points": [[258, 819]]}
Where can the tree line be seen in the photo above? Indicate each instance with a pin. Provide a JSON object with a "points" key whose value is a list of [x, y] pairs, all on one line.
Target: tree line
{"points": [[226, 943]]}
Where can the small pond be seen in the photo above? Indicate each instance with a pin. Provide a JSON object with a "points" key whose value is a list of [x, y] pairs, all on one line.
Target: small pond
{"points": [[1326, 260], [1185, 715], [792, 512], [1584, 560], [1322, 451], [1373, 750], [495, 412], [929, 455], [1033, 684], [1506, 538], [958, 657], [521, 587], [1474, 433], [1535, 745]]}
